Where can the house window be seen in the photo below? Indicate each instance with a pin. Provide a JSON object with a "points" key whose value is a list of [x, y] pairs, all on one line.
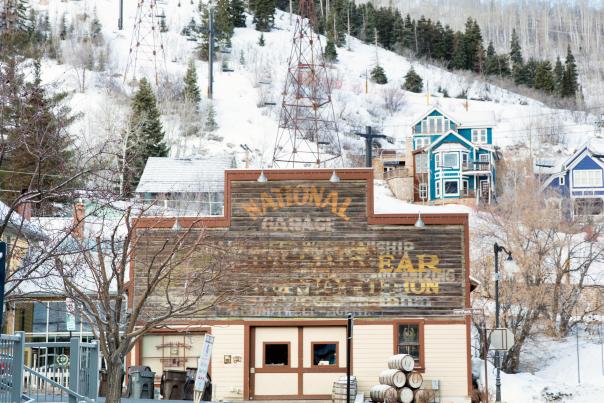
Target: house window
{"points": [[421, 142], [324, 354], [464, 188], [588, 206], [276, 354], [464, 160], [423, 191], [410, 340], [479, 136], [451, 160], [561, 180], [587, 178], [421, 163], [451, 187], [437, 188]]}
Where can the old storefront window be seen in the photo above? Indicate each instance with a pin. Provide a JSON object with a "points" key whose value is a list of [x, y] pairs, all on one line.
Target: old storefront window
{"points": [[324, 353], [409, 340], [276, 354]]}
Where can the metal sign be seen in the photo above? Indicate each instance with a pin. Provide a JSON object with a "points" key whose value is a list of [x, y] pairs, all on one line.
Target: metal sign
{"points": [[2, 280], [62, 360], [70, 314], [203, 363], [501, 339]]}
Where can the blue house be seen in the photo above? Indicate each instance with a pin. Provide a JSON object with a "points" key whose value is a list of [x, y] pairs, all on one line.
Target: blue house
{"points": [[577, 180], [452, 160]]}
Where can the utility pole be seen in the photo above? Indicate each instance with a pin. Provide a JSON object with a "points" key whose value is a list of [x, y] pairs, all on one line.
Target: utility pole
{"points": [[496, 249], [211, 53], [369, 136], [120, 21]]}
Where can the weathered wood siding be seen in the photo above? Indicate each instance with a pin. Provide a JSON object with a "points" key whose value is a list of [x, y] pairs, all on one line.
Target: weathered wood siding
{"points": [[304, 249]]}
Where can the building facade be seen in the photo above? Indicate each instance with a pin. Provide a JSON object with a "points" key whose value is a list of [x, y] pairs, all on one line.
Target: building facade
{"points": [[577, 181], [452, 160], [306, 252]]}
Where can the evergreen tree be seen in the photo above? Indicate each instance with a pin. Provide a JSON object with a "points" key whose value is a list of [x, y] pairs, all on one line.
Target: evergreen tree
{"points": [[378, 75], [544, 77], [63, 31], [223, 24], [515, 50], [570, 83], [261, 40], [331, 54], [162, 25], [558, 75], [264, 14], [191, 92], [491, 67], [408, 39], [413, 81], [530, 72], [237, 13], [211, 124], [145, 137], [458, 60]]}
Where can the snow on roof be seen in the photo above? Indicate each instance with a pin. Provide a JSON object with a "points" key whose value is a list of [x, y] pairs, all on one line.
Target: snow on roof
{"points": [[463, 117], [190, 175], [19, 224], [384, 202], [548, 166], [596, 146]]}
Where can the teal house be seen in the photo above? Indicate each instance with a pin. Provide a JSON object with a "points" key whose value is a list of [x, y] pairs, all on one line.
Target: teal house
{"points": [[453, 161]]}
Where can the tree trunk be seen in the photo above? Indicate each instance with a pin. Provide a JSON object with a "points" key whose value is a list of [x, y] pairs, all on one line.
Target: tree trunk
{"points": [[115, 380]]}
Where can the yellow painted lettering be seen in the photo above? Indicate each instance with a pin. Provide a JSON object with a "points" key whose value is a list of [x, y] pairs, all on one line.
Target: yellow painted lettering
{"points": [[343, 208], [428, 261], [252, 209], [267, 202], [332, 200], [432, 288], [296, 196], [415, 290], [385, 263], [405, 265], [279, 195], [316, 196]]}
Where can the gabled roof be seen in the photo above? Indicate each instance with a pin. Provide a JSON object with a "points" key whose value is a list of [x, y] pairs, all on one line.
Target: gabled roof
{"points": [[454, 133], [432, 109], [595, 147], [185, 175]]}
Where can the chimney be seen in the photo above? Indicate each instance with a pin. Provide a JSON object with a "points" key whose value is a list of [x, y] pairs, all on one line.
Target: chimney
{"points": [[24, 208], [78, 220]]}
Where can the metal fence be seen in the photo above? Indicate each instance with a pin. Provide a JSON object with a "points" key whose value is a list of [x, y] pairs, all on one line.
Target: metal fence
{"points": [[76, 381]]}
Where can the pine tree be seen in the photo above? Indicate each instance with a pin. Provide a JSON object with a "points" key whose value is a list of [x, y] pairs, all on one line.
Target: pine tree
{"points": [[413, 81], [515, 50], [570, 83], [191, 92], [544, 77], [211, 124], [261, 40], [559, 75], [63, 28], [408, 39], [530, 71], [378, 75], [458, 60], [491, 67], [264, 14], [331, 54], [237, 13], [203, 48], [223, 24], [162, 25], [145, 137]]}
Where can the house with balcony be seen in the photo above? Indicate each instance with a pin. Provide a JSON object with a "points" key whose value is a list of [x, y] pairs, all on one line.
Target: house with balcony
{"points": [[577, 181], [454, 160]]}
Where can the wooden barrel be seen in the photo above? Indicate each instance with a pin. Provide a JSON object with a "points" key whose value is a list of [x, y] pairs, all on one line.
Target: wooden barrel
{"points": [[338, 392], [405, 395], [404, 362], [383, 393], [414, 380], [424, 396], [393, 377]]}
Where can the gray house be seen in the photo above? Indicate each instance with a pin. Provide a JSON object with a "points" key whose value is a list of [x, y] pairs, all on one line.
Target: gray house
{"points": [[186, 186]]}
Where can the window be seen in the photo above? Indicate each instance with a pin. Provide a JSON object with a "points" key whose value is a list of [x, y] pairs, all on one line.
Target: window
{"points": [[421, 142], [464, 188], [421, 163], [409, 339], [437, 160], [588, 206], [464, 160], [561, 180], [452, 187], [587, 178], [324, 354], [479, 136], [276, 354], [423, 191], [451, 160], [434, 125], [437, 188], [483, 158]]}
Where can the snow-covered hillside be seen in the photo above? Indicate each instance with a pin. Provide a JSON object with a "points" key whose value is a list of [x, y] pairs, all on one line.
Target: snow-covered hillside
{"points": [[237, 94]]}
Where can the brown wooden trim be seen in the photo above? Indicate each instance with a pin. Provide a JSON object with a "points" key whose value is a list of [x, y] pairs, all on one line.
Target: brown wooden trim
{"points": [[273, 366], [252, 359], [292, 397], [246, 362], [467, 261], [296, 322], [277, 369], [325, 369], [312, 354], [468, 355], [445, 322], [422, 344], [179, 331], [300, 360]]}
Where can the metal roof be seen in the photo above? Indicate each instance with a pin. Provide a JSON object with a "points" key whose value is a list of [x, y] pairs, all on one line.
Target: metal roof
{"points": [[185, 175]]}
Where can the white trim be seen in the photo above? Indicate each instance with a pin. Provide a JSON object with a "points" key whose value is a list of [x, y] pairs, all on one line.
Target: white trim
{"points": [[443, 136], [445, 187], [588, 180], [452, 166], [437, 109], [479, 134], [437, 187]]}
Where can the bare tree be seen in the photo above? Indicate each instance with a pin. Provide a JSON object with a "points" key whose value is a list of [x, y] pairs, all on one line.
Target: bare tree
{"points": [[121, 309]]}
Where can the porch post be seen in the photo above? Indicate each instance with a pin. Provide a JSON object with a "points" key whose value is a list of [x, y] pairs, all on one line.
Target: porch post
{"points": [[18, 370], [93, 371], [74, 367]]}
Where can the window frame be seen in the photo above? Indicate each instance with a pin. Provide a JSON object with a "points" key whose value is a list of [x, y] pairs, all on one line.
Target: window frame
{"points": [[420, 363], [477, 136], [590, 185], [289, 354], [465, 187], [561, 180], [312, 354], [423, 190], [444, 156], [437, 188], [445, 187]]}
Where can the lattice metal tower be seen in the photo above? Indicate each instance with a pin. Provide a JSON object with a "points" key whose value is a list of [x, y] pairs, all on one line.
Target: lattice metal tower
{"points": [[146, 56], [308, 133]]}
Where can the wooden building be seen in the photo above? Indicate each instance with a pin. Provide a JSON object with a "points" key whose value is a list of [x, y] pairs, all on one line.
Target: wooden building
{"points": [[309, 251]]}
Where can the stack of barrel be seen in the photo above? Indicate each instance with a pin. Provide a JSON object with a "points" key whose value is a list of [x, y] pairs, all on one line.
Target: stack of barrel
{"points": [[399, 383]]}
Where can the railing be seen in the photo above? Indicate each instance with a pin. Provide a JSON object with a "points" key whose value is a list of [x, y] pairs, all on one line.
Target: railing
{"points": [[76, 382], [475, 166]]}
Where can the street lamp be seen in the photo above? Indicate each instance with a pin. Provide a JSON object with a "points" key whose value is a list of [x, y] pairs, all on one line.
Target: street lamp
{"points": [[498, 248]]}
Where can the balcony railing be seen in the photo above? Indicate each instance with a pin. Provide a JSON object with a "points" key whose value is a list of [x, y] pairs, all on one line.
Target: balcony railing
{"points": [[476, 166]]}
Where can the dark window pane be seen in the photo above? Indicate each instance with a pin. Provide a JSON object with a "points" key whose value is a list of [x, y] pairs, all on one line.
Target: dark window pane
{"points": [[57, 321], [39, 317], [451, 187], [276, 354], [324, 354], [408, 340]]}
